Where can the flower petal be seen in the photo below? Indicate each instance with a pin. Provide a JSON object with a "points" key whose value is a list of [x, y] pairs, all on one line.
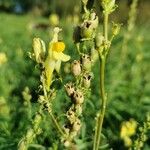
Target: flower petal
{"points": [[60, 56], [49, 68], [57, 65]]}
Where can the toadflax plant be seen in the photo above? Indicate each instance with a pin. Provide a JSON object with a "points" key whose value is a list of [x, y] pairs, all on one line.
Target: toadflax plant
{"points": [[89, 43]]}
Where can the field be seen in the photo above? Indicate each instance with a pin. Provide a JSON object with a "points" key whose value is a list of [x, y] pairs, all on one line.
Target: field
{"points": [[127, 83]]}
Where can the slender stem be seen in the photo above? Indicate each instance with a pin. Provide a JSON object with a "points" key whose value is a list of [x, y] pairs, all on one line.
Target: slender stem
{"points": [[102, 58], [104, 99], [105, 27], [51, 114], [56, 123]]}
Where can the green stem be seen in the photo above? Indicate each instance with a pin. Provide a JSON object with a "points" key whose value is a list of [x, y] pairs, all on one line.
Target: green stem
{"points": [[105, 27], [104, 100], [56, 124], [50, 112], [101, 115], [102, 58]]}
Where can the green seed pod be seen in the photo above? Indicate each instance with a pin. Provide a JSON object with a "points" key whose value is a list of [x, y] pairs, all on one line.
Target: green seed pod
{"points": [[99, 39], [116, 28], [87, 80], [86, 62], [86, 30], [78, 110]]}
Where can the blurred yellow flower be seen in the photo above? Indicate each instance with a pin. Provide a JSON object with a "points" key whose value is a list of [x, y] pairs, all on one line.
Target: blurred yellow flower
{"points": [[127, 142], [54, 19], [128, 129], [3, 58]]}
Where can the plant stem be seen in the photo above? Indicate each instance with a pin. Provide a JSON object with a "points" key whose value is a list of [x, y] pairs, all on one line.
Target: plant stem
{"points": [[56, 124], [103, 98], [105, 27], [50, 112], [102, 58]]}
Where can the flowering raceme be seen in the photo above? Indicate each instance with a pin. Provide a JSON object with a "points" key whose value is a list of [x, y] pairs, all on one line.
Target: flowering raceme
{"points": [[54, 56]]}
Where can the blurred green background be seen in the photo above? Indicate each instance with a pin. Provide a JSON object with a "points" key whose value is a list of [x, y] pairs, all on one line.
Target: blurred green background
{"points": [[127, 80]]}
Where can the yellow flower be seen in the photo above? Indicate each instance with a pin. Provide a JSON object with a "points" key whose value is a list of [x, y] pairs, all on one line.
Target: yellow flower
{"points": [[3, 58], [58, 46], [54, 19], [128, 129], [54, 58], [127, 142]]}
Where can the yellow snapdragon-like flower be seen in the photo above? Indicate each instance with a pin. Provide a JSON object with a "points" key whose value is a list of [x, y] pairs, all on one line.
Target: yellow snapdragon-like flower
{"points": [[128, 129], [54, 58]]}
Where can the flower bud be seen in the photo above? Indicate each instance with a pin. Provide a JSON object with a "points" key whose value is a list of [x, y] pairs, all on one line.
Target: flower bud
{"points": [[39, 49], [76, 68], [86, 62], [78, 97], [69, 89], [108, 5], [87, 80]]}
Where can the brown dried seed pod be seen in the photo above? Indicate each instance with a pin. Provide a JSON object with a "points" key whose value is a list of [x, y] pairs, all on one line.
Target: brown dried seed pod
{"points": [[71, 115], [69, 89], [77, 125], [76, 68], [78, 97], [87, 80]]}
